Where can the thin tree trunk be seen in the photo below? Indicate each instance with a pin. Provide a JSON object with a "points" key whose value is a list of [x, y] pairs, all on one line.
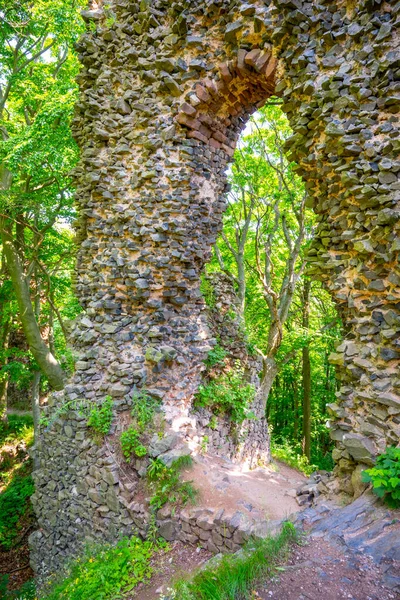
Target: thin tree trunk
{"points": [[36, 403], [296, 411], [241, 284], [45, 359], [5, 338], [36, 375], [306, 371], [4, 345], [269, 373]]}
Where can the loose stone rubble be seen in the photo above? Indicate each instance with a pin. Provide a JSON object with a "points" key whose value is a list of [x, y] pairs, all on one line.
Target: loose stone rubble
{"points": [[166, 88]]}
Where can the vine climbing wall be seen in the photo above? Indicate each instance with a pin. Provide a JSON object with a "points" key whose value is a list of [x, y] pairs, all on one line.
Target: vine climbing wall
{"points": [[166, 89]]}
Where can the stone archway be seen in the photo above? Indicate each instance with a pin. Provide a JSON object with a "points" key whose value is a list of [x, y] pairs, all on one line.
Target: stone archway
{"points": [[166, 88]]}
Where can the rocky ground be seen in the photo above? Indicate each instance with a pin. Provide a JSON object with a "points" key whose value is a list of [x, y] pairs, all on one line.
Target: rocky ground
{"points": [[321, 569], [347, 552], [262, 493]]}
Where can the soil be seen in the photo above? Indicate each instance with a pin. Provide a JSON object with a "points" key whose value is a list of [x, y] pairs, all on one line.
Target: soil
{"points": [[179, 561], [320, 569], [264, 493], [15, 564]]}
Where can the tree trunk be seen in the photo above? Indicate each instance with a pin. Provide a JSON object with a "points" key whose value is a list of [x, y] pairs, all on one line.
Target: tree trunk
{"points": [[269, 373], [36, 403], [306, 371], [45, 359], [241, 284], [296, 411], [36, 375], [5, 337]]}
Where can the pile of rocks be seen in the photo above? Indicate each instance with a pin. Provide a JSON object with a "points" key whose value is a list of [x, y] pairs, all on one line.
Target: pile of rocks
{"points": [[317, 483]]}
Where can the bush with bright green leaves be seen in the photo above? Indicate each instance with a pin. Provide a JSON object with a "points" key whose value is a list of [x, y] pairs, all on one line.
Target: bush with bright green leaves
{"points": [[385, 477], [100, 417], [165, 483], [107, 572], [215, 357], [131, 444], [227, 394], [293, 457], [143, 409]]}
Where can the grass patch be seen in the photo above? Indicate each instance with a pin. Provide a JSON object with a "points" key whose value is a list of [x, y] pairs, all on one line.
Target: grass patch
{"points": [[235, 576], [107, 572]]}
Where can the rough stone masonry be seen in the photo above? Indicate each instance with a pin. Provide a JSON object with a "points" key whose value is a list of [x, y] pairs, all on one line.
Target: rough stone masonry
{"points": [[166, 88]]}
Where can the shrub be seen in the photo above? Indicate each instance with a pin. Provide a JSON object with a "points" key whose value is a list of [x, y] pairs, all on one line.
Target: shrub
{"points": [[234, 576], [293, 457], [227, 394], [14, 503], [385, 477], [100, 417], [144, 409], [216, 356], [166, 485], [130, 444], [106, 572]]}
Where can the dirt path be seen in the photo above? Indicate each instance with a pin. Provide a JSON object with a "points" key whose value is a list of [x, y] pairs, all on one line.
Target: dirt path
{"points": [[322, 570], [263, 493]]}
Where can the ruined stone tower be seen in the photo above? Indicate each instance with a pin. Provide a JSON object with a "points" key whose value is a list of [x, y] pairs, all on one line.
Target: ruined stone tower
{"points": [[166, 88]]}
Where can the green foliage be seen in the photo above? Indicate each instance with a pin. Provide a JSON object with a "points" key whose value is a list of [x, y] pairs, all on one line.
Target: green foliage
{"points": [[213, 424], [207, 291], [216, 356], [106, 572], [100, 417], [38, 67], [166, 485], [385, 477], [15, 477], [144, 408], [130, 444], [234, 576], [14, 503], [204, 444], [19, 428], [26, 592], [143, 411], [228, 393], [292, 457]]}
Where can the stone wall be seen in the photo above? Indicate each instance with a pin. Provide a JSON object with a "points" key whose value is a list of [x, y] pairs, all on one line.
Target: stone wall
{"points": [[166, 88], [247, 441]]}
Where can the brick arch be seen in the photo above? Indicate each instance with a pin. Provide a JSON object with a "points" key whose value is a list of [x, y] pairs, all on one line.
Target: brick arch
{"points": [[164, 90]]}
